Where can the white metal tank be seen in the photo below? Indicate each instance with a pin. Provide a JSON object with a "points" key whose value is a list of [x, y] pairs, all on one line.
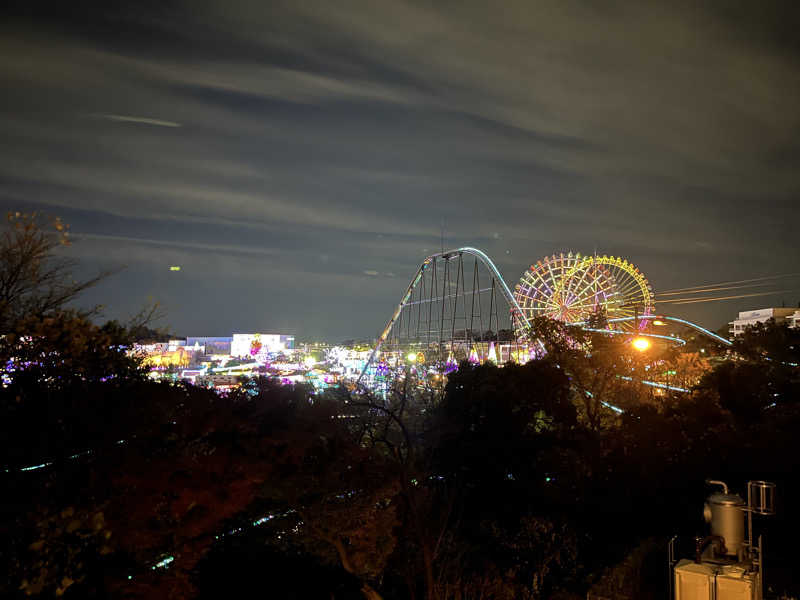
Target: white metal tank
{"points": [[726, 514]]}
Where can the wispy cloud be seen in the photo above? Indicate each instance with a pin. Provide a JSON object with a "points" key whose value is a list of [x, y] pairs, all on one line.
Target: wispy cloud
{"points": [[142, 120], [298, 135], [206, 247]]}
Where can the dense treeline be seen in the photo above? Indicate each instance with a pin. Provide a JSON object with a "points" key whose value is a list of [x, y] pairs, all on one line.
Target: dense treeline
{"points": [[504, 486], [513, 482]]}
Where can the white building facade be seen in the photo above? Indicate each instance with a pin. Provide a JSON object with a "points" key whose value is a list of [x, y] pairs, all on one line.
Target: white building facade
{"points": [[751, 317], [253, 344]]}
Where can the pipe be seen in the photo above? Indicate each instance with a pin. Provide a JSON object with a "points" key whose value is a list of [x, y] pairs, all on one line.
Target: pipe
{"points": [[701, 543], [718, 482]]}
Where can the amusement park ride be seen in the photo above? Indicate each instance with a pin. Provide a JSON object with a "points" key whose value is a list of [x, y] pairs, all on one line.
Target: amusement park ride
{"points": [[572, 288], [458, 307]]}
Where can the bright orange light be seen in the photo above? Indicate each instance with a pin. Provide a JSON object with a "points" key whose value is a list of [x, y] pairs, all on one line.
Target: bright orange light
{"points": [[641, 344]]}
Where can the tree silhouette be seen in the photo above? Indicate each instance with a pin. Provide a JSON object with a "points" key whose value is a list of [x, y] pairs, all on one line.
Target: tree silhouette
{"points": [[34, 280]]}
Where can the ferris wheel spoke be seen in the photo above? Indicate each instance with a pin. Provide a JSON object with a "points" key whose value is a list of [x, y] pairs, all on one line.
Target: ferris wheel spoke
{"points": [[553, 281], [570, 288], [596, 283], [629, 285], [583, 268], [544, 307], [575, 288], [634, 289], [577, 277], [585, 303], [589, 297], [536, 281], [550, 306], [634, 296]]}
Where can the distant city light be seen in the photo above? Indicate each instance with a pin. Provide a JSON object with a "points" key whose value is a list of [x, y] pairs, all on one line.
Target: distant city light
{"points": [[641, 344], [175, 268], [162, 564]]}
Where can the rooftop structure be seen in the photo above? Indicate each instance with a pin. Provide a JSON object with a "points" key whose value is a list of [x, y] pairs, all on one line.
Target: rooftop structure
{"points": [[212, 345]]}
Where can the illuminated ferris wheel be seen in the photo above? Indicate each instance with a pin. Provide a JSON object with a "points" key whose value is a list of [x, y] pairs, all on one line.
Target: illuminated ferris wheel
{"points": [[572, 288]]}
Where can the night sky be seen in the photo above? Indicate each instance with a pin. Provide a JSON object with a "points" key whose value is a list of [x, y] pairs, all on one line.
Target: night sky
{"points": [[298, 160]]}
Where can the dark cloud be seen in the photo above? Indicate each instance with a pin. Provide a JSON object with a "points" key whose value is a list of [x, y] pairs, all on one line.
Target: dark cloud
{"points": [[299, 160]]}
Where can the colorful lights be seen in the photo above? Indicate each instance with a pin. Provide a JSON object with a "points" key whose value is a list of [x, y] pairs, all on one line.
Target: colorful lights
{"points": [[35, 467], [473, 356], [641, 344], [570, 287], [382, 369], [162, 564], [670, 338], [655, 384], [695, 326], [492, 354]]}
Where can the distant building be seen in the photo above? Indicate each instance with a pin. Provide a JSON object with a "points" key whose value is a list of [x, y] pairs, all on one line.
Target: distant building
{"points": [[175, 344], [223, 382], [253, 344], [212, 345], [751, 317], [191, 374], [156, 348], [162, 358]]}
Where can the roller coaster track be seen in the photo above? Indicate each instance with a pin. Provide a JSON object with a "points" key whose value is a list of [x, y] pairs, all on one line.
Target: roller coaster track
{"points": [[428, 265], [706, 332]]}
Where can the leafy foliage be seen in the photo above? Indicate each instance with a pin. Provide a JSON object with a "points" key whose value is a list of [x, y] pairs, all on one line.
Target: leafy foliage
{"points": [[769, 342]]}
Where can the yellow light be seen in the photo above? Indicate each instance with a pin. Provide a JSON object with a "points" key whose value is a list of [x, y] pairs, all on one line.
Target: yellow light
{"points": [[641, 344], [658, 322], [175, 268], [412, 357], [309, 361]]}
